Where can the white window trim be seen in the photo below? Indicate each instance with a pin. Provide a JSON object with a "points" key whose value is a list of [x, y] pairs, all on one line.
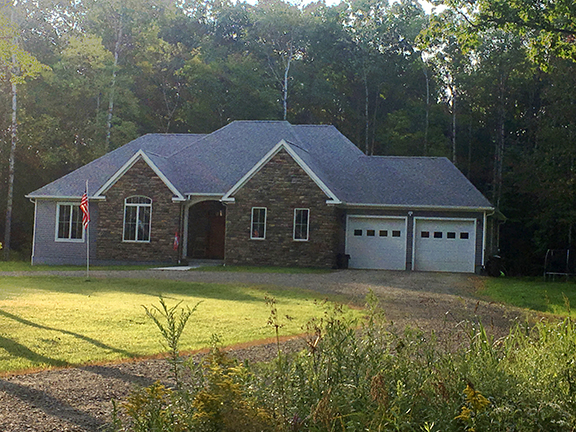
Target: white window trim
{"points": [[137, 215], [68, 239], [307, 225], [252, 223]]}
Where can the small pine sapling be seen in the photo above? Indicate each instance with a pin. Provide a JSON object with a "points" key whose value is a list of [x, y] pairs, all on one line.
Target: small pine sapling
{"points": [[171, 325]]}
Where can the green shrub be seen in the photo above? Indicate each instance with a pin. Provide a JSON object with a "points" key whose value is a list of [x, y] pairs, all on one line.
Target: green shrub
{"points": [[223, 402], [156, 409]]}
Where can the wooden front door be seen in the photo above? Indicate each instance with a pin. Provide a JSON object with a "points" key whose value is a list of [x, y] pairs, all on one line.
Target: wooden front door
{"points": [[206, 230]]}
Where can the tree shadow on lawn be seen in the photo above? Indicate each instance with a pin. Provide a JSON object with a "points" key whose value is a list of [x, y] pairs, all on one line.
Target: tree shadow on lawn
{"points": [[115, 373], [51, 405], [155, 288], [90, 340], [16, 349]]}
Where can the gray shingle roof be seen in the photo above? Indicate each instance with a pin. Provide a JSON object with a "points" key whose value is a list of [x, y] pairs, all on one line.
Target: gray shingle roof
{"points": [[100, 170], [412, 181], [213, 163]]}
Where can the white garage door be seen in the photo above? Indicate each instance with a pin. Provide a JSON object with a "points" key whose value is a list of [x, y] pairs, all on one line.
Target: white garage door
{"points": [[444, 245], [376, 243]]}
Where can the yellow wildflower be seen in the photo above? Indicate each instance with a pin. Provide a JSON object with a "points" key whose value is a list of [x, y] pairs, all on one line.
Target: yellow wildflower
{"points": [[465, 414], [474, 398]]}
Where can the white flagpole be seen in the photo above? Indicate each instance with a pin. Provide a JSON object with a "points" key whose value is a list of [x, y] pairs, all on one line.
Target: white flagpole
{"points": [[87, 236]]}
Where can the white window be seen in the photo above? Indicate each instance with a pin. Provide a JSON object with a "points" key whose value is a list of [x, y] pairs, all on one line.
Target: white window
{"points": [[258, 224], [301, 223], [69, 223], [137, 217]]}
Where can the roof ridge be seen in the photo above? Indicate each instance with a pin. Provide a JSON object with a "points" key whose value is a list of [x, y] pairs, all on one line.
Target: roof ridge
{"points": [[400, 157], [173, 133], [203, 136], [151, 153], [255, 121], [313, 125]]}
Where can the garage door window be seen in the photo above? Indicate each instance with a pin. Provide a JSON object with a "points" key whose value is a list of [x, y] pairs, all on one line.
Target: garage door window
{"points": [[357, 233], [451, 235], [464, 235], [370, 233], [258, 228], [395, 233], [425, 234], [383, 233], [437, 234]]}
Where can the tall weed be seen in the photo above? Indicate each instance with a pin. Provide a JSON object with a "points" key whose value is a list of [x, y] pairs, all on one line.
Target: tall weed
{"points": [[368, 376], [171, 325]]}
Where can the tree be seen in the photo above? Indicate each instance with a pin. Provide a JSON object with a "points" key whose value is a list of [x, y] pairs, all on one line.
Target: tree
{"points": [[279, 30], [116, 21], [549, 26], [16, 65]]}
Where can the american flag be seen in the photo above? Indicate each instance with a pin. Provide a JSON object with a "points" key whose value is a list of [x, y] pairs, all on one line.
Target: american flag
{"points": [[84, 208]]}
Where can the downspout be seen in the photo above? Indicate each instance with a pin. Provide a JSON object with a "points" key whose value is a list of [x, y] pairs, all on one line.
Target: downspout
{"points": [[484, 222], [34, 230]]}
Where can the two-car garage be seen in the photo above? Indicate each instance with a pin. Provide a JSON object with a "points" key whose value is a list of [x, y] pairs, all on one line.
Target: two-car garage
{"points": [[437, 244]]}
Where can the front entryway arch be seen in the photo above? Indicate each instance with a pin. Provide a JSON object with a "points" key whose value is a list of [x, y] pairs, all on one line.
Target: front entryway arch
{"points": [[206, 228]]}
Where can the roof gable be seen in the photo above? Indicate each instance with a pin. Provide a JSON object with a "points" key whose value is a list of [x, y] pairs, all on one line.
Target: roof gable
{"points": [[139, 155], [282, 145]]}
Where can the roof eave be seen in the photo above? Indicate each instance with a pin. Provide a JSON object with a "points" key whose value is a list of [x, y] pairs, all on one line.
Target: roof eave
{"points": [[61, 197], [417, 207]]}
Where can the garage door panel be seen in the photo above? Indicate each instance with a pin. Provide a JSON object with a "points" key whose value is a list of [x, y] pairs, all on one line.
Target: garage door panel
{"points": [[376, 243], [444, 245]]}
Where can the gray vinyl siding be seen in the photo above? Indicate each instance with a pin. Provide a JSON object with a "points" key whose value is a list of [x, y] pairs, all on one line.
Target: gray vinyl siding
{"points": [[46, 250], [479, 216]]}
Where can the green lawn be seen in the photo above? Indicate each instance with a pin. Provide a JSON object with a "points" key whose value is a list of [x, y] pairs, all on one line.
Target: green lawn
{"points": [[534, 294], [51, 321], [26, 266]]}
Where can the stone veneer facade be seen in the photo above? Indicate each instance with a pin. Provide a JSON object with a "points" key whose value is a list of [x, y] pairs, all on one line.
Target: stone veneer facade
{"points": [[281, 186], [139, 180]]}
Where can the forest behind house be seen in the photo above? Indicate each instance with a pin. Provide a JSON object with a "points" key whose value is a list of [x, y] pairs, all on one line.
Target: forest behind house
{"points": [[490, 84]]}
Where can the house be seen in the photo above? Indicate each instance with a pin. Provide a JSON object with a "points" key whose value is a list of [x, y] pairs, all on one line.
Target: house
{"points": [[264, 193]]}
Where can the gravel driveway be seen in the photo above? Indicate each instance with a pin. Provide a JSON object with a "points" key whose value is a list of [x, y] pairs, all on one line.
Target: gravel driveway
{"points": [[79, 399]]}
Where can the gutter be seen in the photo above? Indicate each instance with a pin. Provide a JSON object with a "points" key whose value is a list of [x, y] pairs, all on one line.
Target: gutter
{"points": [[417, 207], [62, 197]]}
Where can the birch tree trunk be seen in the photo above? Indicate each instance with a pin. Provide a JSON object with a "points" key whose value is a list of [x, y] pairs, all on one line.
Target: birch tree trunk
{"points": [[366, 113], [499, 147], [427, 118], [12, 156], [285, 81], [469, 166], [454, 125], [113, 88], [11, 162]]}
